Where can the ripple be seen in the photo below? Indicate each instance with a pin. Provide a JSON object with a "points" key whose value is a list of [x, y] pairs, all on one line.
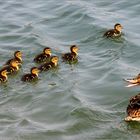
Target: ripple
{"points": [[83, 101]]}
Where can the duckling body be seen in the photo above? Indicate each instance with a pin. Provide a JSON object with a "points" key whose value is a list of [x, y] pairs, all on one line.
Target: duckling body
{"points": [[134, 81], [12, 68], [3, 76], [31, 76], [43, 56], [71, 56], [133, 109], [116, 32], [17, 57], [48, 65]]}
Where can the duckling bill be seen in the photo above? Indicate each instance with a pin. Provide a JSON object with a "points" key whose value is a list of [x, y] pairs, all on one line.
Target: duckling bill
{"points": [[43, 56], [48, 65], [32, 76], [133, 109], [116, 32], [134, 81], [71, 56]]}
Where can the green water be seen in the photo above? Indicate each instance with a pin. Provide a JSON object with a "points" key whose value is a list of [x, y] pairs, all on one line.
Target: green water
{"points": [[86, 101]]}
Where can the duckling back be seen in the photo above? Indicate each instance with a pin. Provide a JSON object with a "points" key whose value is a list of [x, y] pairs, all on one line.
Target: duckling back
{"points": [[69, 57], [41, 58], [29, 77]]}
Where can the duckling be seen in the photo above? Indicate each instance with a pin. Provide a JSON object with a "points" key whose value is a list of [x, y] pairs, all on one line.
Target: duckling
{"points": [[17, 57], [116, 32], [31, 76], [43, 56], [3, 76], [133, 109], [48, 65], [134, 81], [72, 56], [12, 68]]}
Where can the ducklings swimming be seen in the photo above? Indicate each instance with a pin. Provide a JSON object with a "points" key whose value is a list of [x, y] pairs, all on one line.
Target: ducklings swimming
{"points": [[133, 109], [116, 32], [43, 56], [72, 56], [48, 65], [12, 68], [3, 76], [17, 57], [134, 81], [31, 76]]}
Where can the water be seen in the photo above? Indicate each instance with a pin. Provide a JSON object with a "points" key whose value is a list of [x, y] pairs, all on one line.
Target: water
{"points": [[86, 101]]}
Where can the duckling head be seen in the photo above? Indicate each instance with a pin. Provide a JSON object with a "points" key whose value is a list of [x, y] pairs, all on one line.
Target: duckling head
{"points": [[18, 54], [35, 71], [47, 50], [4, 72], [55, 60], [118, 27], [15, 64], [74, 49]]}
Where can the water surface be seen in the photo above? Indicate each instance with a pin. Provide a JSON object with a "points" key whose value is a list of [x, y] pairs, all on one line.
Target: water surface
{"points": [[86, 101]]}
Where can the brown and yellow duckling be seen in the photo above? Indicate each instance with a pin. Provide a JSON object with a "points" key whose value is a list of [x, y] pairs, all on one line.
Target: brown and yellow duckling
{"points": [[71, 56], [43, 56], [17, 57], [3, 76], [133, 109], [116, 32], [31, 76], [134, 81], [12, 68], [48, 65]]}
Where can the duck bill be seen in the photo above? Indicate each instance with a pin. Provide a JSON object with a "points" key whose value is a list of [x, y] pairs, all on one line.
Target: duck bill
{"points": [[132, 85], [131, 81], [128, 118]]}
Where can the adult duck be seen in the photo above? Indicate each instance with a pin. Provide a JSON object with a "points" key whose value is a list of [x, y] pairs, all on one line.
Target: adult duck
{"points": [[133, 109]]}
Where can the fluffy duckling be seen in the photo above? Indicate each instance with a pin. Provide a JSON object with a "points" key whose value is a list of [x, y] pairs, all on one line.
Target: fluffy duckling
{"points": [[72, 56], [133, 109], [134, 81], [116, 32], [48, 65], [31, 76], [43, 56], [17, 57], [12, 68], [3, 76]]}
